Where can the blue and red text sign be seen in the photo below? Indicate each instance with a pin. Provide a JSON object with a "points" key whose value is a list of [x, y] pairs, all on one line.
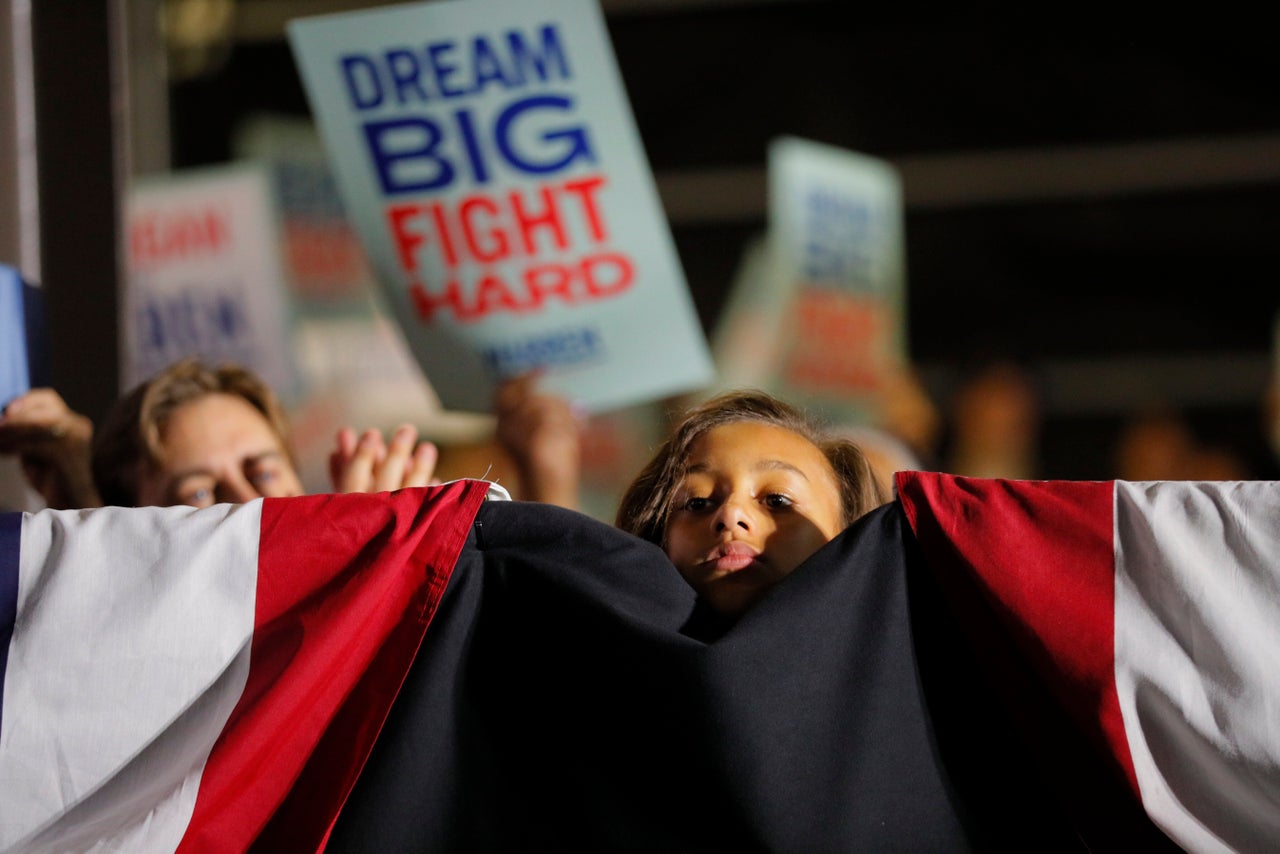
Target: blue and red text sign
{"points": [[486, 153], [836, 234]]}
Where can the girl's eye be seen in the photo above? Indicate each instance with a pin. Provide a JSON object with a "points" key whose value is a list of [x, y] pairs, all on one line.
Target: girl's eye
{"points": [[697, 504], [262, 477], [778, 501]]}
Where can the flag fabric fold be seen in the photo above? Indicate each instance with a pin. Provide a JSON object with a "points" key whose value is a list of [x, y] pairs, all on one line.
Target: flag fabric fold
{"points": [[174, 678], [979, 665], [591, 705], [1153, 612]]}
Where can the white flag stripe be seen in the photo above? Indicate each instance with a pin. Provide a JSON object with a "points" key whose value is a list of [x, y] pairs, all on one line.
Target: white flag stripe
{"points": [[147, 618], [1197, 651]]}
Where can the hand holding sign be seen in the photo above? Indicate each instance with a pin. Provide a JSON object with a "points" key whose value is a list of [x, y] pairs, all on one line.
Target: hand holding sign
{"points": [[543, 435], [53, 442]]}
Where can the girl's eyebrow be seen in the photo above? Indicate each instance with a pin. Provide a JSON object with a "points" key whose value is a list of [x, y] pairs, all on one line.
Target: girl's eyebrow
{"points": [[779, 465], [761, 465]]}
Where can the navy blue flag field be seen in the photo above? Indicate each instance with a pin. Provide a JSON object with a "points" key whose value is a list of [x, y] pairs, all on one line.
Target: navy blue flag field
{"points": [[979, 665]]}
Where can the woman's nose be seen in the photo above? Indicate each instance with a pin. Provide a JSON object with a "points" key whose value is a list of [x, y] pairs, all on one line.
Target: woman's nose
{"points": [[237, 491]]}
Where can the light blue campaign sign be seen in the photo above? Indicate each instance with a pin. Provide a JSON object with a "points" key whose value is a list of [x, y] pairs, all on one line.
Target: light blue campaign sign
{"points": [[836, 238], [835, 217], [488, 158], [24, 354], [13, 344]]}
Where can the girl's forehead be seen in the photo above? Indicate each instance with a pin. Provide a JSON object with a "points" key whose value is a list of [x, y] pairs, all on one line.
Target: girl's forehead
{"points": [[752, 444]]}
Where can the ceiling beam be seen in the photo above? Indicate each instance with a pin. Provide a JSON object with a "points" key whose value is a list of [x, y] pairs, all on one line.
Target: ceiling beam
{"points": [[264, 20], [934, 182]]}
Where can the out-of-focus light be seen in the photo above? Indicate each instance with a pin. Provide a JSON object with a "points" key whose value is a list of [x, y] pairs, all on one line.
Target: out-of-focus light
{"points": [[198, 34]]}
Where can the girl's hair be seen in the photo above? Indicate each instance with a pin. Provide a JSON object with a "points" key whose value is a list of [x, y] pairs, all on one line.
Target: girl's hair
{"points": [[130, 435], [646, 504]]}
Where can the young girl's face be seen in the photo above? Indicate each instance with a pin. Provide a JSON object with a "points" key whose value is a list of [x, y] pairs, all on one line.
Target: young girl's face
{"points": [[755, 501]]}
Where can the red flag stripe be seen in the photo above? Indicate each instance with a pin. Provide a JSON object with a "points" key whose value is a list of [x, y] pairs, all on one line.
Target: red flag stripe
{"points": [[1043, 553], [330, 651]]}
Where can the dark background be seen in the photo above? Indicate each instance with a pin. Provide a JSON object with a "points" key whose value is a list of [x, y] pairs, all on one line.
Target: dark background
{"points": [[1175, 279]]}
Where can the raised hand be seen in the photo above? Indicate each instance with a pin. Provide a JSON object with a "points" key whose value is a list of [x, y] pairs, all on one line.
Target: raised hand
{"points": [[543, 435], [371, 464], [53, 442]]}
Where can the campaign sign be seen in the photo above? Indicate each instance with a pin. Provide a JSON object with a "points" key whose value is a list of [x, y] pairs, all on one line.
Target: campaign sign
{"points": [[24, 343], [325, 263], [836, 239], [750, 331], [205, 275], [486, 153]]}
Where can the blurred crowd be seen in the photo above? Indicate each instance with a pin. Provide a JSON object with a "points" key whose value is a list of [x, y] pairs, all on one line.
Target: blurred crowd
{"points": [[198, 433]]}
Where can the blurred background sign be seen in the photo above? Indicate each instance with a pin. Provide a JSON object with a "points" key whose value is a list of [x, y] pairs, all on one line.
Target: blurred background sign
{"points": [[1100, 212], [24, 342], [836, 241], [748, 336], [205, 276], [352, 363]]}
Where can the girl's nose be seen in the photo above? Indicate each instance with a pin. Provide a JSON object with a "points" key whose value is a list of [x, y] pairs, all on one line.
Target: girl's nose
{"points": [[734, 513]]}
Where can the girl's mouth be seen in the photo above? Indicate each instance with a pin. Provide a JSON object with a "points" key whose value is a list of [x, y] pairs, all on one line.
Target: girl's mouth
{"points": [[732, 556]]}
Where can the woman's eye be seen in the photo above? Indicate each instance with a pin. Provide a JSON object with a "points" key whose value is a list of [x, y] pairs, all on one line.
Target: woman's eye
{"points": [[697, 504], [778, 501], [262, 476], [199, 497]]}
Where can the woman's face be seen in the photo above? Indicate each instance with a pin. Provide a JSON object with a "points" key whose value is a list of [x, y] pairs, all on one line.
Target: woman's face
{"points": [[755, 501], [217, 448]]}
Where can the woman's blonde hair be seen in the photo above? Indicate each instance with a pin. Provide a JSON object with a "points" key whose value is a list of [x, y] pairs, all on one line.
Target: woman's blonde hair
{"points": [[130, 434]]}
